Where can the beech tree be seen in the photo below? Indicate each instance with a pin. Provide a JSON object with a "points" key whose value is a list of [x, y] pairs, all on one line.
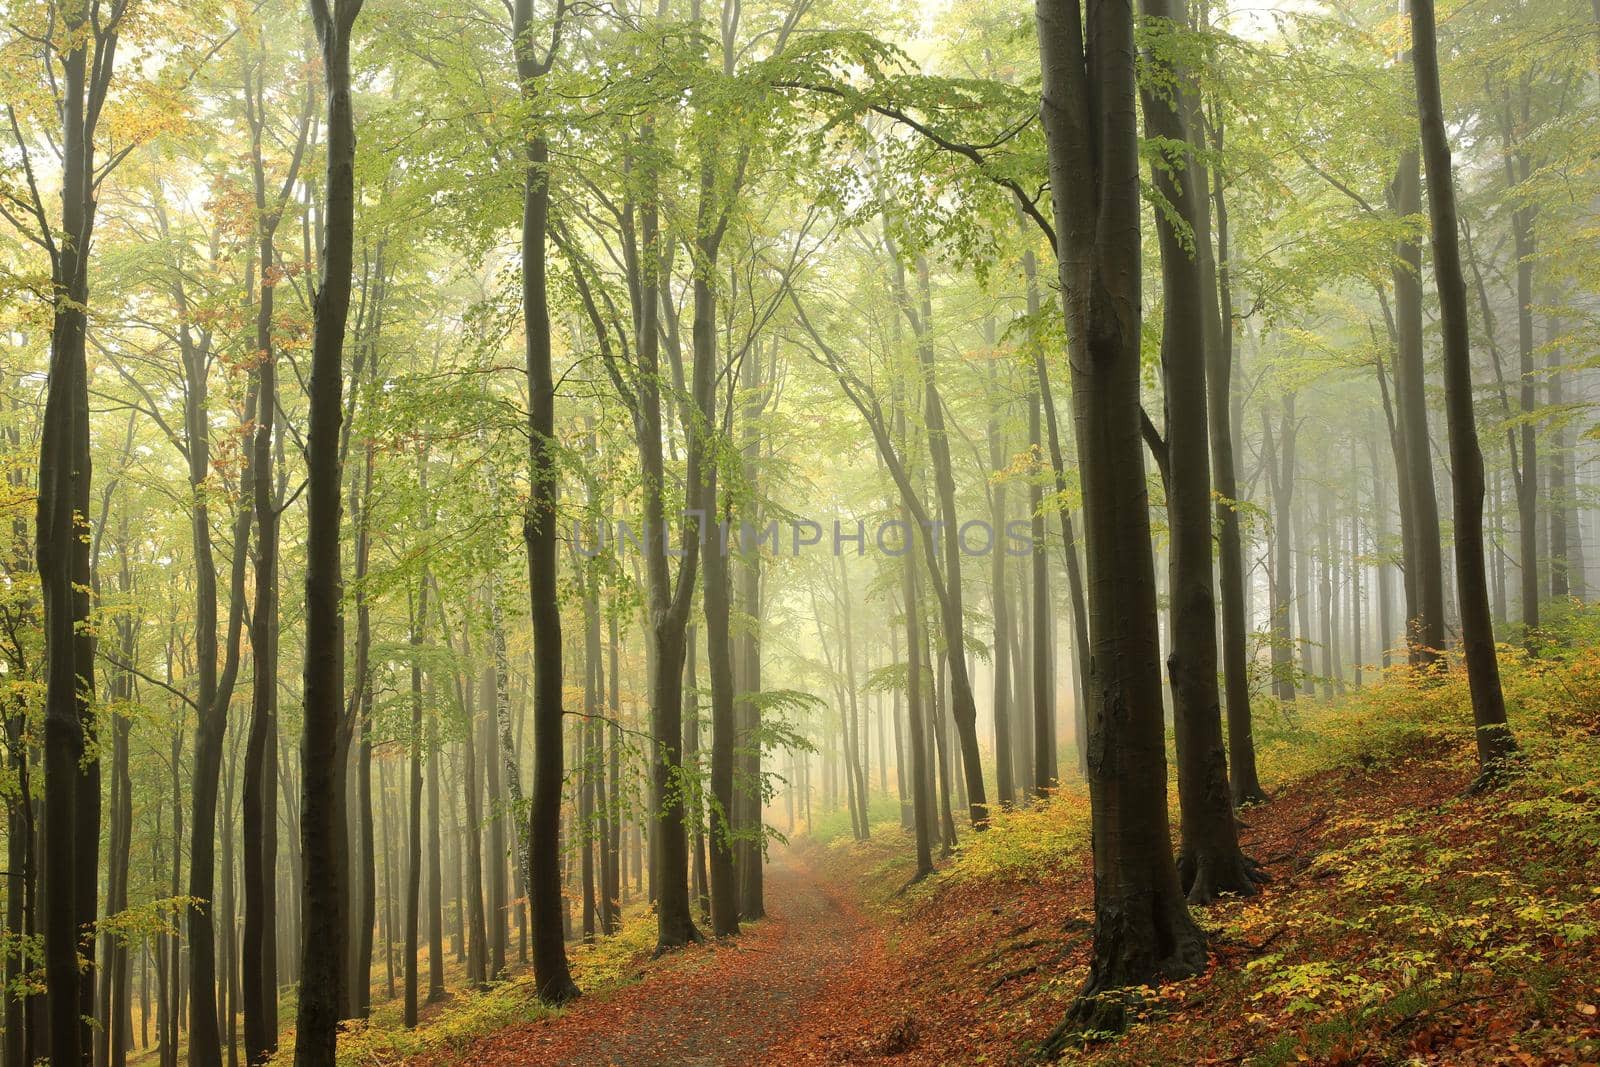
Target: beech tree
{"points": [[322, 777], [1143, 931]]}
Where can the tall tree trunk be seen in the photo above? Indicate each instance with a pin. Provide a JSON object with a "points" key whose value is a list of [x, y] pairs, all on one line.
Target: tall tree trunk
{"points": [[113, 1017], [855, 762], [1325, 593], [699, 871], [1210, 862], [1043, 401], [260, 837], [1217, 292], [1278, 456], [1495, 743], [1424, 566], [1143, 931], [668, 602], [551, 974], [1380, 536], [999, 654], [494, 862], [1021, 638], [614, 777], [436, 990], [71, 782], [947, 583], [1528, 484], [1566, 552], [592, 677], [323, 894], [259, 950], [357, 994], [940, 755], [921, 797], [477, 933], [214, 690], [419, 615], [751, 853]]}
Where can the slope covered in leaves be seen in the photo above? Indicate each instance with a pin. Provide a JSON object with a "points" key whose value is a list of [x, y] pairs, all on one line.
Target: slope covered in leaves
{"points": [[1406, 922]]}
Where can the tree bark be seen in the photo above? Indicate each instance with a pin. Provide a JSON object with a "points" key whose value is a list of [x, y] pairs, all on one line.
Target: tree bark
{"points": [[1495, 743], [1528, 484], [551, 973], [72, 783], [750, 850], [999, 654], [419, 615], [1210, 862], [1424, 566], [1043, 401], [322, 776], [1217, 293], [1278, 456], [921, 798], [1143, 931]]}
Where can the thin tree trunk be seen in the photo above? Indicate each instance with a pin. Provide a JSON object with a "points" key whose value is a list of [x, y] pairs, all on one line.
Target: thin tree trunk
{"points": [[751, 846], [1424, 567], [921, 799], [1210, 862], [419, 615], [1217, 291], [999, 654], [1495, 743]]}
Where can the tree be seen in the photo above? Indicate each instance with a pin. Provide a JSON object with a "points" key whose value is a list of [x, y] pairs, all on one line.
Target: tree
{"points": [[1424, 570], [260, 837], [323, 903], [1143, 931], [539, 527], [1210, 862], [79, 60], [1495, 743]]}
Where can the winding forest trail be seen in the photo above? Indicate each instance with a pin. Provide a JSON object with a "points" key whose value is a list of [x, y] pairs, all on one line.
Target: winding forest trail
{"points": [[734, 1002]]}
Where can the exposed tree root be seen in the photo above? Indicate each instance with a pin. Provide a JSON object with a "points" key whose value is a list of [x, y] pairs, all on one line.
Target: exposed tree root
{"points": [[1206, 878], [915, 878], [559, 993], [1249, 797], [1495, 775], [691, 936]]}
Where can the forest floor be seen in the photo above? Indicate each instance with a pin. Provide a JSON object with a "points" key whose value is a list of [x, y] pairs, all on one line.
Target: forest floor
{"points": [[731, 1001], [1406, 922]]}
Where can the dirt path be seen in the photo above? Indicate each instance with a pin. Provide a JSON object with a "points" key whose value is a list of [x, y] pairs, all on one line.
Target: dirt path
{"points": [[715, 1004]]}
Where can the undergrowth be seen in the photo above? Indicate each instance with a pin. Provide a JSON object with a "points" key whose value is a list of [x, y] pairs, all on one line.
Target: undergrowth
{"points": [[1407, 922], [450, 1027]]}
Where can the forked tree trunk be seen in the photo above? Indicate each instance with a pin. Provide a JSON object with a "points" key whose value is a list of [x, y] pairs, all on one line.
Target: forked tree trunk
{"points": [[1143, 932], [259, 949], [71, 833]]}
